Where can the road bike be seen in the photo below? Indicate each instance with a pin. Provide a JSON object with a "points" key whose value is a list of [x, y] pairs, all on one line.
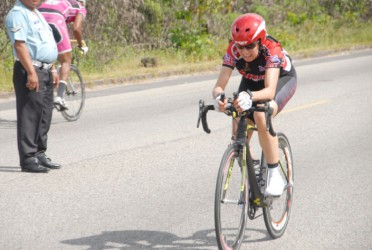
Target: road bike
{"points": [[240, 188], [74, 93]]}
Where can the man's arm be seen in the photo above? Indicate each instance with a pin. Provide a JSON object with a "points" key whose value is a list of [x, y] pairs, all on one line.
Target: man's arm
{"points": [[25, 59]]}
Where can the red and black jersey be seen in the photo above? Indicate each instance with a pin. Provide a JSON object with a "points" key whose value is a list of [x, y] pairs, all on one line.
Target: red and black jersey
{"points": [[271, 55]]}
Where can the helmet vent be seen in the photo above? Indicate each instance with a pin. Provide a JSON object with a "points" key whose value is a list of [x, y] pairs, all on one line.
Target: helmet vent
{"points": [[247, 30]]}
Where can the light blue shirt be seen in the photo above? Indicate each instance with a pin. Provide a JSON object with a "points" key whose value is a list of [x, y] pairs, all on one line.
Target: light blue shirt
{"points": [[29, 26]]}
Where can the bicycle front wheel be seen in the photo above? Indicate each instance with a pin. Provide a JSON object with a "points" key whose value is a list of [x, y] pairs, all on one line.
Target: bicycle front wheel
{"points": [[74, 95], [230, 207], [276, 215]]}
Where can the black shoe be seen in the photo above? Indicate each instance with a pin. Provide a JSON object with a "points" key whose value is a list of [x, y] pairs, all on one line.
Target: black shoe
{"points": [[34, 167], [46, 162]]}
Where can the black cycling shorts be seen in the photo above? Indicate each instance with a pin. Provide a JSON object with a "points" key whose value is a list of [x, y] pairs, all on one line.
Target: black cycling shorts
{"points": [[285, 89]]}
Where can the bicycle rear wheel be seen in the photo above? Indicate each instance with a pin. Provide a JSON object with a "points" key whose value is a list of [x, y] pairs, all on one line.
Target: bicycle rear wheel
{"points": [[74, 95], [276, 215], [230, 207]]}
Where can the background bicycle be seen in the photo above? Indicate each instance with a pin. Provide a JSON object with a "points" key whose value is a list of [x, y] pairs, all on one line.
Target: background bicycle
{"points": [[240, 187], [74, 94]]}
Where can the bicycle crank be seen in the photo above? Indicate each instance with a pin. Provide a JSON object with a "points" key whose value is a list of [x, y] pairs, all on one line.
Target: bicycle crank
{"points": [[251, 208]]}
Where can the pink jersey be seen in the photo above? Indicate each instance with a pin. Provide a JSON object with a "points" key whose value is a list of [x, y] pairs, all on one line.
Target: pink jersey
{"points": [[69, 9], [58, 13]]}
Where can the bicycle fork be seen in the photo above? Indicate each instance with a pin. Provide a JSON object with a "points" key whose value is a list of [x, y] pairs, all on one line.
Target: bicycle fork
{"points": [[241, 200]]}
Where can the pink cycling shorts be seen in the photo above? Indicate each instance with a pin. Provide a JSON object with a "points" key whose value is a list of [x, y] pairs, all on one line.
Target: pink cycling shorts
{"points": [[60, 31]]}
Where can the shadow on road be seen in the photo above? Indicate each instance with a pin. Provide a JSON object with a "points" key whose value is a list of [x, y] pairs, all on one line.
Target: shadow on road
{"points": [[137, 239], [7, 124], [12, 124], [9, 169]]}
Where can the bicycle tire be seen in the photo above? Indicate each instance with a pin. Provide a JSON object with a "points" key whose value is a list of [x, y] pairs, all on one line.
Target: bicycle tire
{"points": [[74, 95], [277, 215], [229, 221]]}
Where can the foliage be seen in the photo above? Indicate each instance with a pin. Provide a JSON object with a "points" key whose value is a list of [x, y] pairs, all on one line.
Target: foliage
{"points": [[190, 31], [154, 17]]}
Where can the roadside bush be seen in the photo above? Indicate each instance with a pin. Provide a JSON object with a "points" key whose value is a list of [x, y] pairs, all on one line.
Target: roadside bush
{"points": [[120, 33]]}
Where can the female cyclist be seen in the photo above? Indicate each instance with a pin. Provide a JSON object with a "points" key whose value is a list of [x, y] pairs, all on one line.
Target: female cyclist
{"points": [[267, 74]]}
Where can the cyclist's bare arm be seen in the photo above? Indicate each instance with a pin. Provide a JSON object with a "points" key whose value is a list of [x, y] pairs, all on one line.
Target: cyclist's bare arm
{"points": [[78, 29], [223, 79], [271, 81]]}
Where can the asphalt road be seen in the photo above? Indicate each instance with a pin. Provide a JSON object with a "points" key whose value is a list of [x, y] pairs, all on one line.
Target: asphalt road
{"points": [[137, 174]]}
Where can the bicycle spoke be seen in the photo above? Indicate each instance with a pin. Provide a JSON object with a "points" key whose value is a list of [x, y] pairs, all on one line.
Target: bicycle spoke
{"points": [[230, 205], [235, 202], [276, 214], [74, 95]]}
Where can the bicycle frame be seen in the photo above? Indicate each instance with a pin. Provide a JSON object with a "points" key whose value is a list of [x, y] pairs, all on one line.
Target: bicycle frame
{"points": [[244, 186], [247, 162], [258, 198]]}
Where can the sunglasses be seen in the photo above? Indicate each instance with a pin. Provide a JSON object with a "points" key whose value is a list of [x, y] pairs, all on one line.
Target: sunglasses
{"points": [[249, 46]]}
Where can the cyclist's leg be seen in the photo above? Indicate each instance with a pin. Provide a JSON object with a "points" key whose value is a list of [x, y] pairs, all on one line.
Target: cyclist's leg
{"points": [[64, 53], [245, 85], [65, 61], [249, 134], [285, 90], [269, 143], [266, 141]]}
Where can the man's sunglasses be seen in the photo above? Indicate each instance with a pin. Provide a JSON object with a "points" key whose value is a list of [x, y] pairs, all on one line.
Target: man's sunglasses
{"points": [[249, 46]]}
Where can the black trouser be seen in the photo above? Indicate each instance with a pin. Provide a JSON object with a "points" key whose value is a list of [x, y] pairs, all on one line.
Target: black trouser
{"points": [[34, 112]]}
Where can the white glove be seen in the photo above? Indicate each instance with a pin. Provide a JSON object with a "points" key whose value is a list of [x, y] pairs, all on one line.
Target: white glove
{"points": [[244, 100], [84, 50], [217, 103]]}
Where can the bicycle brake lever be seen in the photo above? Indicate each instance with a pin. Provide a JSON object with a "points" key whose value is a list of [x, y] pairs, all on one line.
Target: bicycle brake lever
{"points": [[201, 107], [223, 96], [267, 116], [269, 125]]}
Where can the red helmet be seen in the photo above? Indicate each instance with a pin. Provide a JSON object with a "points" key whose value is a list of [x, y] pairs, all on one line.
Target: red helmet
{"points": [[248, 28]]}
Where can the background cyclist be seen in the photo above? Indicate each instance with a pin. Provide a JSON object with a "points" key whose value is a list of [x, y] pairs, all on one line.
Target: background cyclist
{"points": [[267, 74], [58, 14]]}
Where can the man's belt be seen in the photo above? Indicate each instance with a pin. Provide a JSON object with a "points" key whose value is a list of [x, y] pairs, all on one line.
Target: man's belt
{"points": [[41, 65]]}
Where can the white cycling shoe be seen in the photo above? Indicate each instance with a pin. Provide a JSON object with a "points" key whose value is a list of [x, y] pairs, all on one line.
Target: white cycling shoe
{"points": [[60, 102], [275, 185]]}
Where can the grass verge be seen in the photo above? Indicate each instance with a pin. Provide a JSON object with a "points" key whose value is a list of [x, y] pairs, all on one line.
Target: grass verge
{"points": [[124, 64]]}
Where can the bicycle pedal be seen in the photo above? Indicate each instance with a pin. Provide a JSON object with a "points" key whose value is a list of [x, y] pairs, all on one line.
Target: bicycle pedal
{"points": [[271, 197], [57, 107]]}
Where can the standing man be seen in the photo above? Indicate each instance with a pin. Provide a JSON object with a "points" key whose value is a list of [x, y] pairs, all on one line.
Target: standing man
{"points": [[35, 51], [58, 13]]}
